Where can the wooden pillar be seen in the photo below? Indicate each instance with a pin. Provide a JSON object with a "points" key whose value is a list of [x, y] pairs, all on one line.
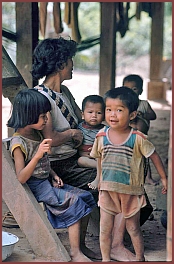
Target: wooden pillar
{"points": [[169, 198], [156, 88], [156, 52], [107, 47], [27, 29]]}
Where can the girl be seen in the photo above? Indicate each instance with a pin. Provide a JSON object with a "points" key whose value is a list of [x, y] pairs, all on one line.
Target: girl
{"points": [[65, 205]]}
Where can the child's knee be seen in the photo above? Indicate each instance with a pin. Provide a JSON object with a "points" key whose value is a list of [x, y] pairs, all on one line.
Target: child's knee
{"points": [[133, 227]]}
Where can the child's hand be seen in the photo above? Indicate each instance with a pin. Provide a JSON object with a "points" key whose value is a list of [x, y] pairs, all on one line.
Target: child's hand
{"points": [[44, 147], [57, 181], [164, 188]]}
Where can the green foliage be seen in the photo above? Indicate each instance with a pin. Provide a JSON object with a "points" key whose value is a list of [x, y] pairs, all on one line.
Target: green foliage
{"points": [[8, 16]]}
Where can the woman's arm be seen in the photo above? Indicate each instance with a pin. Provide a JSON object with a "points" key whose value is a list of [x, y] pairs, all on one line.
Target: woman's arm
{"points": [[24, 172], [59, 138]]}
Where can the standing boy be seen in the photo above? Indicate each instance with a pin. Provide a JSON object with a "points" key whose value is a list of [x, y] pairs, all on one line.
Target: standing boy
{"points": [[120, 151]]}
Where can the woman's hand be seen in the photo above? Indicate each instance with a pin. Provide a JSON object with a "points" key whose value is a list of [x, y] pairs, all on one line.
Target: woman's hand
{"points": [[57, 181], [77, 137]]}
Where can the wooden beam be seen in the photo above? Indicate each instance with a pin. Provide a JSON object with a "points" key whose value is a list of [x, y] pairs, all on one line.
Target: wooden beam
{"points": [[27, 29], [107, 47]]}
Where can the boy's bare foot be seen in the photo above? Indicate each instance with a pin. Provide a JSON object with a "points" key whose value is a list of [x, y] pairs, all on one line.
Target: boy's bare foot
{"points": [[80, 257], [93, 185], [120, 253], [89, 253]]}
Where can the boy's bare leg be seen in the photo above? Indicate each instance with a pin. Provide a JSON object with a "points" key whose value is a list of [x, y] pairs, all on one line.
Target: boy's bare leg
{"points": [[86, 251], [106, 226], [118, 250], [74, 239], [134, 230]]}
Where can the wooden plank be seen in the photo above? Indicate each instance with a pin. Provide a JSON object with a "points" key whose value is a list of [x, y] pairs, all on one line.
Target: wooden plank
{"points": [[29, 214], [16, 81]]}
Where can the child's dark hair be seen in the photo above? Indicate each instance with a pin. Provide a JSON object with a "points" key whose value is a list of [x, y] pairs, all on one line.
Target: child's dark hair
{"points": [[134, 78], [50, 56], [126, 95], [93, 99], [28, 105]]}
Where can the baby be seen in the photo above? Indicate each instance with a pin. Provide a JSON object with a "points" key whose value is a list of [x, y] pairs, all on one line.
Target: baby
{"points": [[93, 109]]}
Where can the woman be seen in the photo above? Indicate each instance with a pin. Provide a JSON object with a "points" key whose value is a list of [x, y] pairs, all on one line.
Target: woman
{"points": [[52, 59]]}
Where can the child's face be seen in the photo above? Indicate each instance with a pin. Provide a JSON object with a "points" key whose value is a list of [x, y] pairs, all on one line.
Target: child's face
{"points": [[93, 114], [117, 114], [132, 85], [41, 122]]}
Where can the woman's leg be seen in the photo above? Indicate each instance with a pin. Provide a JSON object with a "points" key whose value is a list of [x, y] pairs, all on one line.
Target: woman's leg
{"points": [[134, 230], [106, 226], [74, 239]]}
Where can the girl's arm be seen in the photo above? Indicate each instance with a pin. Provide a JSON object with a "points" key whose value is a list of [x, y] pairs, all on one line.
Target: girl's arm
{"points": [[160, 169], [24, 172], [56, 180], [59, 138]]}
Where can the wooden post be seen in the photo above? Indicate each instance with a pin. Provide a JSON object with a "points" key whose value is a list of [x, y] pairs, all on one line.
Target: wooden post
{"points": [[169, 198], [27, 29], [107, 47], [156, 87], [156, 52]]}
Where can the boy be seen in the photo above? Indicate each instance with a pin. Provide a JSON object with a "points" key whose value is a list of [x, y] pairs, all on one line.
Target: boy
{"points": [[120, 151], [145, 114]]}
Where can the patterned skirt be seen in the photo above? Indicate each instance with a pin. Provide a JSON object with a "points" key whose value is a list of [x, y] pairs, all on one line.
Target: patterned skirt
{"points": [[65, 205]]}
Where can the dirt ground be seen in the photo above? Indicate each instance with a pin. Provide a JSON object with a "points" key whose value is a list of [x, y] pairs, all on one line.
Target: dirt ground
{"points": [[153, 232]]}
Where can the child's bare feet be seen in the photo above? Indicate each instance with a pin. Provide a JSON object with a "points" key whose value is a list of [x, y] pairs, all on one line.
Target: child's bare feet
{"points": [[94, 184], [89, 253], [120, 253], [80, 257]]}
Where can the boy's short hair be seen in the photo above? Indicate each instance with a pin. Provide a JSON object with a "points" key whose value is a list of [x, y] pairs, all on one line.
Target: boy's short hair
{"points": [[93, 99], [134, 78], [28, 105], [126, 95]]}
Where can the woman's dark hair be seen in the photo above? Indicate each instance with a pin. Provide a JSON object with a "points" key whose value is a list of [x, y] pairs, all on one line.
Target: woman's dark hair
{"points": [[28, 105], [126, 95], [50, 55], [134, 78], [93, 99]]}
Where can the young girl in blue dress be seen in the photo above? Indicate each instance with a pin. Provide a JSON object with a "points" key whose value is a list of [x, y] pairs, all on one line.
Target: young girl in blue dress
{"points": [[66, 206]]}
